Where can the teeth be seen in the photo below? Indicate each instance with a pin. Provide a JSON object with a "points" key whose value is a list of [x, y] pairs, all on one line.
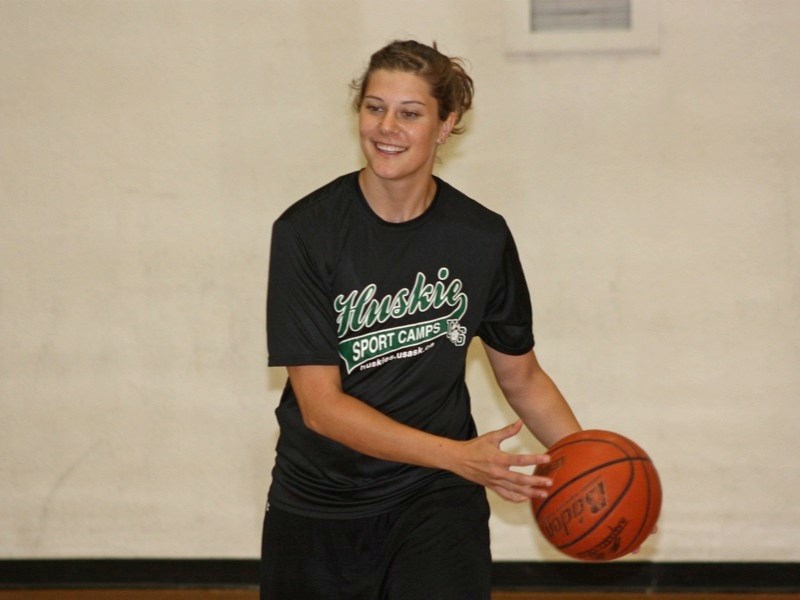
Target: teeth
{"points": [[387, 148]]}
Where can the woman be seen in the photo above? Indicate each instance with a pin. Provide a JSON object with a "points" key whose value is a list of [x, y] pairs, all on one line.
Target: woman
{"points": [[378, 282]]}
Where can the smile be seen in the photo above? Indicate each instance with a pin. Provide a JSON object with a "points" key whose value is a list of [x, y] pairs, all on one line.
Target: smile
{"points": [[389, 149]]}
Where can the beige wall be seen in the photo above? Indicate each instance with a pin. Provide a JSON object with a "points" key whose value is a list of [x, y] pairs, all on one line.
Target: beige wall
{"points": [[147, 145]]}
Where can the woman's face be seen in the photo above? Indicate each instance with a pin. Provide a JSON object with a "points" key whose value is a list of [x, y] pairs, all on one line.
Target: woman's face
{"points": [[399, 125]]}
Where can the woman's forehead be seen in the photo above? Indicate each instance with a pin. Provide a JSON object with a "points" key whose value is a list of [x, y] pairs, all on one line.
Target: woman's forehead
{"points": [[403, 86]]}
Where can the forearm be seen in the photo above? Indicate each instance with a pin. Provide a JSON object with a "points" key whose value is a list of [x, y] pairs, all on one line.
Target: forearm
{"points": [[369, 431], [533, 396], [353, 423], [543, 409]]}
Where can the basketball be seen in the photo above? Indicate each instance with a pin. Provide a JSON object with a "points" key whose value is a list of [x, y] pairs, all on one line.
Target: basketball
{"points": [[605, 498]]}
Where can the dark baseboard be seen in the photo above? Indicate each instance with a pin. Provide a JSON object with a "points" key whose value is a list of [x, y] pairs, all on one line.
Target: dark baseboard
{"points": [[128, 573], [648, 576], [543, 576]]}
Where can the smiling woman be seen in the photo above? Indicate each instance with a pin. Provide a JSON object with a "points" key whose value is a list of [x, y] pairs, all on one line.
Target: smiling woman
{"points": [[400, 130], [409, 101], [378, 282]]}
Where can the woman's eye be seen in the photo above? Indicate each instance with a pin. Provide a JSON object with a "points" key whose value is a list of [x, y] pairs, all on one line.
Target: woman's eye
{"points": [[372, 108], [410, 115]]}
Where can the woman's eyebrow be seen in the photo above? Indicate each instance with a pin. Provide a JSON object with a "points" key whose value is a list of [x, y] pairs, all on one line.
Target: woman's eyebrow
{"points": [[379, 99]]}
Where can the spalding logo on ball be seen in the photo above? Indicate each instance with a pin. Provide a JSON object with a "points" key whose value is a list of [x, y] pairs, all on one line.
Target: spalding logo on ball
{"points": [[605, 499]]}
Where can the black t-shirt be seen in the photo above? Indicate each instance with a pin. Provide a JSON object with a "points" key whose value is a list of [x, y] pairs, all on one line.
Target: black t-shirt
{"points": [[395, 306]]}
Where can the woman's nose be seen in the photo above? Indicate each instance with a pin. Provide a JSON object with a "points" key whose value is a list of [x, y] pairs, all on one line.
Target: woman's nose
{"points": [[388, 122]]}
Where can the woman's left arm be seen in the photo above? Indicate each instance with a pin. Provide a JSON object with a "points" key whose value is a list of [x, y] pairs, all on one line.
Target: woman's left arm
{"points": [[533, 395]]}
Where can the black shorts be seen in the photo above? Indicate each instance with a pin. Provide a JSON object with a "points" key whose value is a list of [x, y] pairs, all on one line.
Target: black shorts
{"points": [[434, 548]]}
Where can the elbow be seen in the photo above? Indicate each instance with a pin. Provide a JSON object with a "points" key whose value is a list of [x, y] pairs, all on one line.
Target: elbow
{"points": [[318, 392], [317, 417], [312, 421]]}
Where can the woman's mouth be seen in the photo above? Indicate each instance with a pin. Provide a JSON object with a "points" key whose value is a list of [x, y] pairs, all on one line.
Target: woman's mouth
{"points": [[389, 148]]}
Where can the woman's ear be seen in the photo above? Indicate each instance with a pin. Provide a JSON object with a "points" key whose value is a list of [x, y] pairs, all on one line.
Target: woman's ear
{"points": [[447, 127]]}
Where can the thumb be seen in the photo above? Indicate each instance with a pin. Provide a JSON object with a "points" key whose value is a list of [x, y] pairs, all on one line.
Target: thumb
{"points": [[508, 431]]}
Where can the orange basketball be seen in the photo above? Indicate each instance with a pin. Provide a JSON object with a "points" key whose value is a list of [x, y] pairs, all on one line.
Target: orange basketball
{"points": [[605, 499]]}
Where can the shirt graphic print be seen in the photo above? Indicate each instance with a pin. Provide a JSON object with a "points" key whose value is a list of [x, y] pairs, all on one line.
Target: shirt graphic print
{"points": [[360, 309]]}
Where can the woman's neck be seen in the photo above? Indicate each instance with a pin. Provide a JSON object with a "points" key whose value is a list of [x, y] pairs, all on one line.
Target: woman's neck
{"points": [[397, 201]]}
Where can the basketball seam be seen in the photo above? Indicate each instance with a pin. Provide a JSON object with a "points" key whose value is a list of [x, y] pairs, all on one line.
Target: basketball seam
{"points": [[648, 478], [583, 474], [610, 508]]}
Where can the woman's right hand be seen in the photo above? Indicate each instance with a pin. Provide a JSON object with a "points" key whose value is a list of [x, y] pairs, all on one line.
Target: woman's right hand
{"points": [[481, 461]]}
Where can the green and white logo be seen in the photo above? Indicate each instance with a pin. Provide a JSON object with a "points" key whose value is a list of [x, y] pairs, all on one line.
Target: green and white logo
{"points": [[360, 309]]}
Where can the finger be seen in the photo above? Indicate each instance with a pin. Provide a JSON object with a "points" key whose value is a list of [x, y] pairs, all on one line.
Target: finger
{"points": [[510, 495], [516, 493], [508, 431], [652, 531], [530, 486], [533, 485], [527, 460]]}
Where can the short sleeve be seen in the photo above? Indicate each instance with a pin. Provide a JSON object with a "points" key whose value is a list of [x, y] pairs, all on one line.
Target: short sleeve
{"points": [[507, 324], [301, 324]]}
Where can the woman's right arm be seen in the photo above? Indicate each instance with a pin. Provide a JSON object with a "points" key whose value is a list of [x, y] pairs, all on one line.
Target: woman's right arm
{"points": [[330, 412]]}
